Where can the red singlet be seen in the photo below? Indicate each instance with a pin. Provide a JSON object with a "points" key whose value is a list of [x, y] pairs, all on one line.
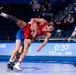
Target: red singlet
{"points": [[39, 30], [27, 31]]}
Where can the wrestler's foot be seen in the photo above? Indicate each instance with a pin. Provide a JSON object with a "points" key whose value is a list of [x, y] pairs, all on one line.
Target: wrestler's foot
{"points": [[1, 9], [10, 65], [17, 67]]}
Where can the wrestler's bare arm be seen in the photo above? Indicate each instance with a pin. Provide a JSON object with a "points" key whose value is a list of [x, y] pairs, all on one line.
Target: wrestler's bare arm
{"points": [[45, 41], [40, 20], [33, 27], [19, 22], [72, 35]]}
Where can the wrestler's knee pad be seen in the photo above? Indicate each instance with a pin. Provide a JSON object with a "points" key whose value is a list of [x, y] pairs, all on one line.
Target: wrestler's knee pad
{"points": [[18, 55]]}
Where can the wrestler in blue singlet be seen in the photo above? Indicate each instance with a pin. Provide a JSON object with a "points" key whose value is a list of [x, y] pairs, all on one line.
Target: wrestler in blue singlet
{"points": [[20, 36]]}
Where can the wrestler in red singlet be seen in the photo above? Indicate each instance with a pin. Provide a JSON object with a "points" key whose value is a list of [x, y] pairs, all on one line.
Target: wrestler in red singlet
{"points": [[27, 31], [40, 31]]}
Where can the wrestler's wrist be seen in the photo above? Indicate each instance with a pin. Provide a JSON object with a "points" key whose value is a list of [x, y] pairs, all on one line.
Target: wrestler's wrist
{"points": [[71, 37]]}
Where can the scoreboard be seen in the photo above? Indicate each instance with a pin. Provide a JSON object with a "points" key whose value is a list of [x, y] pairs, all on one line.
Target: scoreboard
{"points": [[51, 49]]}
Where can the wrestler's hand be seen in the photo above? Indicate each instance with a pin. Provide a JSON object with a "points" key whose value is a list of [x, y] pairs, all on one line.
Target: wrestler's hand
{"points": [[39, 48], [69, 39], [33, 33]]}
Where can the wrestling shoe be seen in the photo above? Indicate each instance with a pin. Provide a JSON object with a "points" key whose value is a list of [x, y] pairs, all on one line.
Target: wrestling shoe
{"points": [[10, 65], [17, 67], [1, 9]]}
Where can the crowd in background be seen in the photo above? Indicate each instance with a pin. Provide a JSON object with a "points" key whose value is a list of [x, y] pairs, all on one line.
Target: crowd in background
{"points": [[48, 10]]}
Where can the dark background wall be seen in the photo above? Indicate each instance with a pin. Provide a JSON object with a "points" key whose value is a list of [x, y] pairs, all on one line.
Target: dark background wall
{"points": [[25, 1], [16, 1]]}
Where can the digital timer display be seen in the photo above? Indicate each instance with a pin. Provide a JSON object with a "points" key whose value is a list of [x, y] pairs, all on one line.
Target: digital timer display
{"points": [[55, 49], [61, 50], [51, 49]]}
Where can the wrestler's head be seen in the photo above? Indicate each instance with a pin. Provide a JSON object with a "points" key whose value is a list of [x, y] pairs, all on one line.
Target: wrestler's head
{"points": [[51, 26], [21, 23]]}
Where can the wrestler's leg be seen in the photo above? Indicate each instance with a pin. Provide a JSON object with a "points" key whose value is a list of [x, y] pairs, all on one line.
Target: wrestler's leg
{"points": [[18, 53], [27, 43], [19, 22], [11, 61]]}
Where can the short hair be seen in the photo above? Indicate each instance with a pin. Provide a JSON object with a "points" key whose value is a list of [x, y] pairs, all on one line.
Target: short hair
{"points": [[51, 24]]}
